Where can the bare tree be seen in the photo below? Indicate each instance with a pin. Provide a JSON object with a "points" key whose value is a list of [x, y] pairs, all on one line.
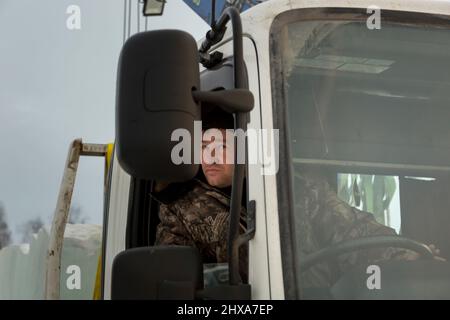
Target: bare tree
{"points": [[5, 233], [76, 215], [29, 228]]}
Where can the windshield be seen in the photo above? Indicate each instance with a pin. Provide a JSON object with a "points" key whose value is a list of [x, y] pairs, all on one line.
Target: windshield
{"points": [[368, 113]]}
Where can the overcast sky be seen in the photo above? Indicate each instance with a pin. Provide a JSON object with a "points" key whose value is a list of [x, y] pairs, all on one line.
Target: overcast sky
{"points": [[56, 85]]}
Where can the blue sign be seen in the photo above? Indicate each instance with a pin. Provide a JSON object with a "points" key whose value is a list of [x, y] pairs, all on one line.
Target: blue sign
{"points": [[204, 7]]}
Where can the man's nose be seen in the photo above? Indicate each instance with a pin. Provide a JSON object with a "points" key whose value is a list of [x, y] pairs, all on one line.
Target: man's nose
{"points": [[213, 156], [208, 157]]}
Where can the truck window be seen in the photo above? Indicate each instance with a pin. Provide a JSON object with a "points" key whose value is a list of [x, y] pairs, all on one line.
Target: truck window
{"points": [[367, 115], [377, 194]]}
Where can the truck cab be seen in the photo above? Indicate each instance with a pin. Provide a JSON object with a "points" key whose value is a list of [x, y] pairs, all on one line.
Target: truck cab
{"points": [[358, 96]]}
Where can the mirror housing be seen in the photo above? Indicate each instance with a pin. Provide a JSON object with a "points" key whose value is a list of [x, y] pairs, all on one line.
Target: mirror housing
{"points": [[157, 72], [158, 100], [161, 272]]}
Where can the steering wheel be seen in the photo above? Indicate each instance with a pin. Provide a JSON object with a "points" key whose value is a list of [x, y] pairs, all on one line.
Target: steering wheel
{"points": [[365, 243]]}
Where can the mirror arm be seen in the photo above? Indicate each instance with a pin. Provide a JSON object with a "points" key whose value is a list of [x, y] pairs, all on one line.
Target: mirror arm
{"points": [[235, 207], [251, 227], [215, 35], [241, 123], [213, 14], [210, 60], [231, 101]]}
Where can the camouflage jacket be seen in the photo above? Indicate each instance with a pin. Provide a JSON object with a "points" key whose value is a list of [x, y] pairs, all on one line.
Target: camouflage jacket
{"points": [[197, 214], [326, 220]]}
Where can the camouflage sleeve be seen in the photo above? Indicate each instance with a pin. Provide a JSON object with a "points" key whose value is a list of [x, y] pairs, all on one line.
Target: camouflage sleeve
{"points": [[194, 226], [334, 221], [171, 231], [200, 218], [351, 223]]}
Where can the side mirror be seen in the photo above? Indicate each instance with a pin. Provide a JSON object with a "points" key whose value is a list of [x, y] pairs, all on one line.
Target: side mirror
{"points": [[161, 272], [158, 100], [157, 72]]}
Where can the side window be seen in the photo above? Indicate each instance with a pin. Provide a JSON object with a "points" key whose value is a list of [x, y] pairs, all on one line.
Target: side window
{"points": [[377, 194], [57, 85]]}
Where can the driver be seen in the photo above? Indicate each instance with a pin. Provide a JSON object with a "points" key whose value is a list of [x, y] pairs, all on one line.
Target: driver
{"points": [[196, 213], [327, 220]]}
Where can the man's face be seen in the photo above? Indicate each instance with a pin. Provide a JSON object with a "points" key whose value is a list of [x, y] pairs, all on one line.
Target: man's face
{"points": [[218, 157]]}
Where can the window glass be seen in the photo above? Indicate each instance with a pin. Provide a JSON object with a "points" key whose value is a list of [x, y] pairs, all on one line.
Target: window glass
{"points": [[368, 119]]}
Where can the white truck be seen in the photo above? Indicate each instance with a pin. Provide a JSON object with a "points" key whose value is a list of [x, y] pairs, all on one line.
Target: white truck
{"points": [[360, 93]]}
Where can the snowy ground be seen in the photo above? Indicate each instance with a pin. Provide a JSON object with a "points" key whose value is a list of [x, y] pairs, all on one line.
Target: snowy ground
{"points": [[22, 267]]}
